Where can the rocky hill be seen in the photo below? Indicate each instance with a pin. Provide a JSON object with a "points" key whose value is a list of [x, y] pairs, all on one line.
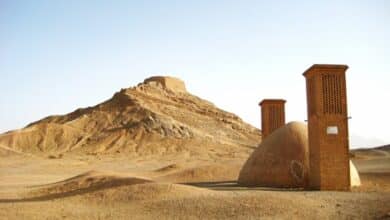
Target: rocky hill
{"points": [[156, 117]]}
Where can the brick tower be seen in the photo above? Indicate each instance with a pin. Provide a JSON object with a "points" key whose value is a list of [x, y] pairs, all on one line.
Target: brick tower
{"points": [[272, 115], [328, 127]]}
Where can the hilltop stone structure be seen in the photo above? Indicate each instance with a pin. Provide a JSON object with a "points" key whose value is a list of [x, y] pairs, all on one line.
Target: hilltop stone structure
{"points": [[328, 127], [167, 82], [272, 115]]}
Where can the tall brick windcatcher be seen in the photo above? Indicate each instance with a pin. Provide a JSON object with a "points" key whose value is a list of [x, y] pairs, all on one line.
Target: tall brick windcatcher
{"points": [[272, 115], [328, 127]]}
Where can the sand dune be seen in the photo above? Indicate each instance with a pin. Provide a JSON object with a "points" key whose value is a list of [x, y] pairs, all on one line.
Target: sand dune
{"points": [[113, 187], [205, 173], [85, 183], [148, 191]]}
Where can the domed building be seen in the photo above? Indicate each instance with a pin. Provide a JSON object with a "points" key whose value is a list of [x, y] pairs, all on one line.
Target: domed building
{"points": [[282, 160]]}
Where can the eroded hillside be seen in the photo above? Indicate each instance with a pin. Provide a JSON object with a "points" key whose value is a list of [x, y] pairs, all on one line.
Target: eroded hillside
{"points": [[156, 117]]}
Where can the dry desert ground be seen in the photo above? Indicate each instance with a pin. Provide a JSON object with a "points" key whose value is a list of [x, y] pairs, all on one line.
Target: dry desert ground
{"points": [[179, 186]]}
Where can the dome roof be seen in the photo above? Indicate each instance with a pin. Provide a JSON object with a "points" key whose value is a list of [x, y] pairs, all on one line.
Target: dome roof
{"points": [[282, 160]]}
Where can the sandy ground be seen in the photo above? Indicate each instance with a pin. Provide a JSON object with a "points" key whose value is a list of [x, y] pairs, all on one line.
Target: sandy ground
{"points": [[175, 187]]}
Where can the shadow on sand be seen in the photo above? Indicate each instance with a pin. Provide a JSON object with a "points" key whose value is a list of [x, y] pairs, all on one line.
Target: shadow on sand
{"points": [[218, 186], [235, 186], [74, 192]]}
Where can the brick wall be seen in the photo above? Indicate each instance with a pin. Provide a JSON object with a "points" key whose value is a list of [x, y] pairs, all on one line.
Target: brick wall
{"points": [[328, 127], [272, 115]]}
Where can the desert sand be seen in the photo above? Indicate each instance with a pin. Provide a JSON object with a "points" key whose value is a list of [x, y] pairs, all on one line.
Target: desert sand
{"points": [[175, 186], [157, 152]]}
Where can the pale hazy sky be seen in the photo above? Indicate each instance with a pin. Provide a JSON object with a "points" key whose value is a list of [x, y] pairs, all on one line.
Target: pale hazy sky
{"points": [[56, 56]]}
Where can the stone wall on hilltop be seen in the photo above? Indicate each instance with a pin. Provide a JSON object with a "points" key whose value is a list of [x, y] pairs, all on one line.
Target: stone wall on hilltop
{"points": [[171, 83]]}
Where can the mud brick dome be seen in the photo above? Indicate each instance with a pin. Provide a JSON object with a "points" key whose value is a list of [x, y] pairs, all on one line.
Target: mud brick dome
{"points": [[282, 160]]}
